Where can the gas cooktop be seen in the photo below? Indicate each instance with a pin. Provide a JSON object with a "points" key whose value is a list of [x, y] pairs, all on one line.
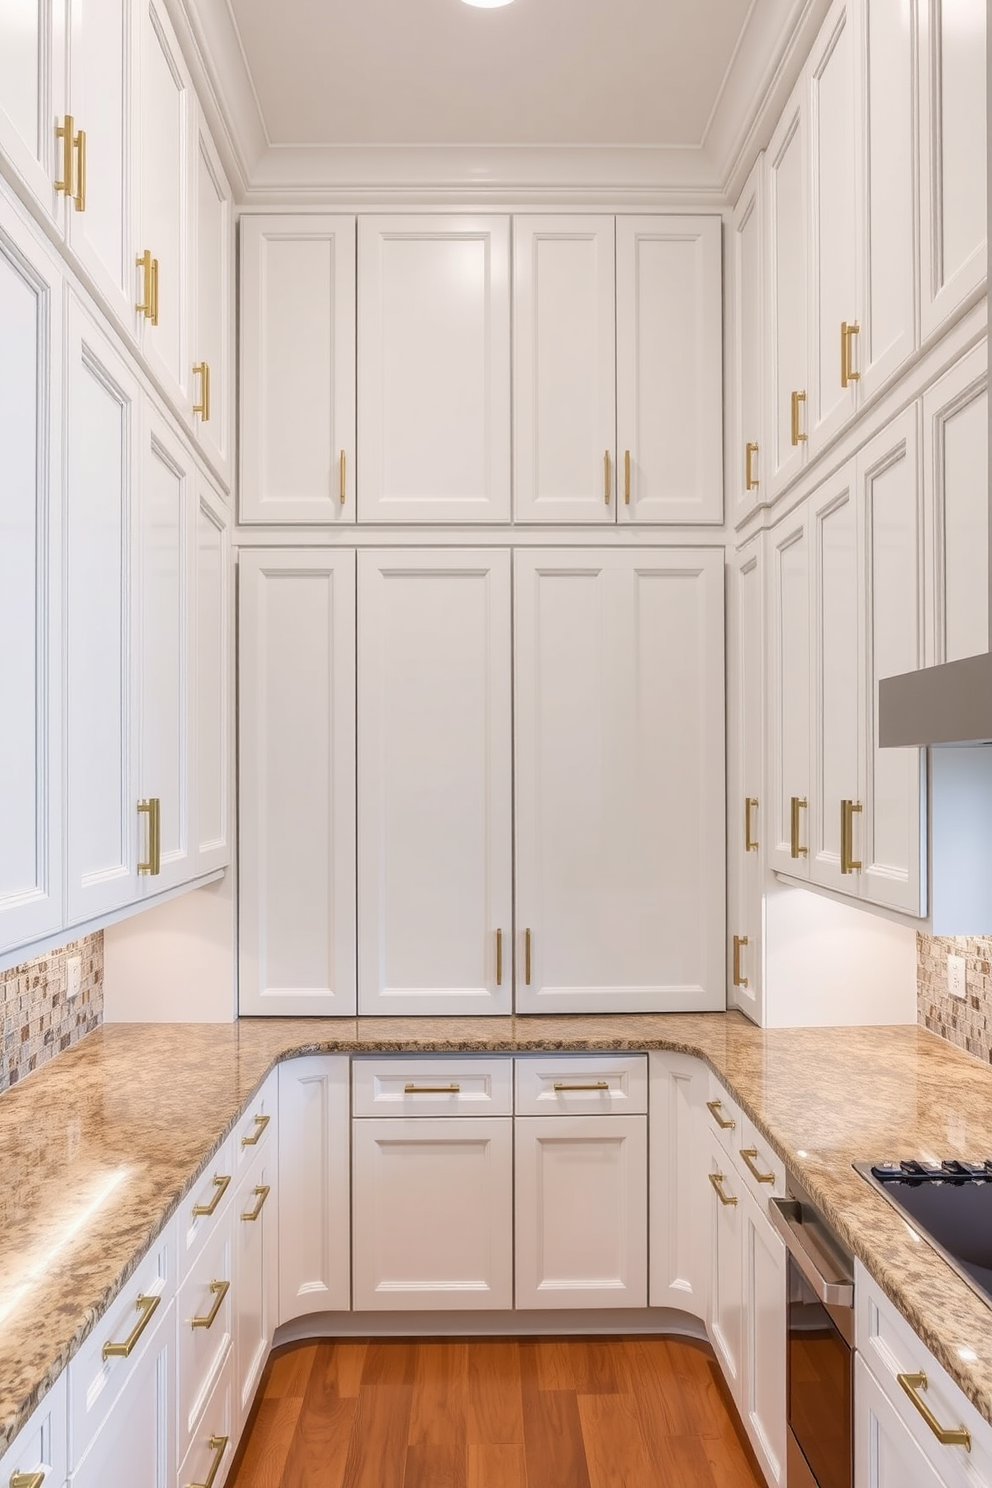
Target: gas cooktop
{"points": [[948, 1204]]}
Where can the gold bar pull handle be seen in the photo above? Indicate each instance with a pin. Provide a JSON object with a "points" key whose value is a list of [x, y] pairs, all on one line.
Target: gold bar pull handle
{"points": [[218, 1445], [79, 195], [64, 133], [202, 371], [147, 1307], [220, 1290], [797, 437], [848, 862], [607, 482], [221, 1182], [749, 1154], [28, 1480], [796, 850], [411, 1089], [144, 263], [626, 477], [261, 1122], [499, 958], [847, 373], [595, 1085], [261, 1193], [947, 1436], [343, 476], [750, 804], [152, 808], [717, 1180], [724, 1123], [154, 315], [739, 981], [751, 482], [527, 957]]}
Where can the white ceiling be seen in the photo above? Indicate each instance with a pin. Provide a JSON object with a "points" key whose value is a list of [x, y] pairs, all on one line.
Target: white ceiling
{"points": [[537, 72]]}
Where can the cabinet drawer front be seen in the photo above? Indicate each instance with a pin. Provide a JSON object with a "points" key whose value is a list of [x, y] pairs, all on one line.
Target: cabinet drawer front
{"points": [[724, 1116], [762, 1170], [205, 1323], [42, 1445], [257, 1125], [594, 1085], [885, 1454], [460, 1085], [211, 1191], [889, 1347], [215, 1439]]}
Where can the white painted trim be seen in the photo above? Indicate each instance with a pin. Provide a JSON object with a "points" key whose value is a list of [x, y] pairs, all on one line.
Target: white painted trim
{"points": [[528, 1323]]}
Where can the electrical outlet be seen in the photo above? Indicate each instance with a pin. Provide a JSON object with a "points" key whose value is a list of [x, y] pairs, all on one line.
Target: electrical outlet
{"points": [[956, 976], [73, 976]]}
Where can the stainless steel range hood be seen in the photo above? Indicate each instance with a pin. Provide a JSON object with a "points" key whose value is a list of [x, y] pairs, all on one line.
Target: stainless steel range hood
{"points": [[949, 704]]}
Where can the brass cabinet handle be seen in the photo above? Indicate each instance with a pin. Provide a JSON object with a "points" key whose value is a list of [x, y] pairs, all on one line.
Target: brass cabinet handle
{"points": [[147, 1306], [715, 1107], [750, 804], [626, 477], [499, 958], [751, 482], [152, 808], [262, 1193], [221, 1184], [726, 1199], [79, 195], [607, 483], [799, 803], [218, 1445], [411, 1089], [64, 133], [261, 1122], [202, 370], [847, 374], [596, 1085], [154, 314], [220, 1290], [343, 475], [947, 1436], [848, 862], [527, 957], [797, 437], [28, 1480], [739, 981], [144, 262], [749, 1154]]}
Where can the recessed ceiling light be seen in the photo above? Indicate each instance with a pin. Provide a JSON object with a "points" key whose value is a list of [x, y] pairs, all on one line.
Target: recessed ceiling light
{"points": [[487, 4]]}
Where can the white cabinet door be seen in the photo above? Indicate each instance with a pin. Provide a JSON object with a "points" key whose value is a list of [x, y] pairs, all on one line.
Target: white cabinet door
{"points": [[32, 44], [101, 460], [137, 1442], [838, 672], [212, 336], [564, 369], [790, 695], [30, 584], [314, 1190], [434, 369], [725, 1313], [891, 520], [788, 192], [835, 221], [166, 116], [669, 369], [953, 192], [164, 694], [580, 1186], [433, 1204], [297, 782], [434, 782], [678, 1259], [620, 830], [297, 330], [103, 67], [748, 240], [255, 1241], [955, 480], [41, 1445], [763, 1402], [746, 674], [885, 1454], [211, 621]]}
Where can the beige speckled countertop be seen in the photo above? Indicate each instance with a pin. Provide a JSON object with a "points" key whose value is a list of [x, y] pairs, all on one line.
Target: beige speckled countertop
{"points": [[155, 1100]]}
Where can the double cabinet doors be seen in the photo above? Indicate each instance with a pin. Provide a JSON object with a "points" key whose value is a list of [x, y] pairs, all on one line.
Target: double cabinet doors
{"points": [[617, 750]]}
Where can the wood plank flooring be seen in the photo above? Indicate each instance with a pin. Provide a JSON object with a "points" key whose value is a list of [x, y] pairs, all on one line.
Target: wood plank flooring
{"points": [[484, 1413]]}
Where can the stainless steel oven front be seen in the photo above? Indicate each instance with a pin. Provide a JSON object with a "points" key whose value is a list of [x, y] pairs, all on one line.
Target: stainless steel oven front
{"points": [[820, 1373]]}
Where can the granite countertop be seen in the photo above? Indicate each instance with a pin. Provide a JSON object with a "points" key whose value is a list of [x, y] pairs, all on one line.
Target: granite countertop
{"points": [[99, 1147]]}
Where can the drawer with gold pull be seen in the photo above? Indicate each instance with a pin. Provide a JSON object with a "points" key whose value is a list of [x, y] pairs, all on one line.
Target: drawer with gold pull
{"points": [[205, 1323], [762, 1169], [581, 1084], [433, 1085], [38, 1455], [214, 1440], [723, 1117], [257, 1126], [205, 1203]]}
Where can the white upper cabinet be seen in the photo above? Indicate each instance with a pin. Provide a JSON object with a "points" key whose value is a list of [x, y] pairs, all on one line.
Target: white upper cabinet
{"points": [[620, 788], [212, 338], [30, 583], [296, 760], [32, 87], [564, 368], [297, 332], [787, 821], [749, 814], [213, 742], [434, 782], [787, 182], [953, 230], [434, 369], [669, 369], [749, 456]]}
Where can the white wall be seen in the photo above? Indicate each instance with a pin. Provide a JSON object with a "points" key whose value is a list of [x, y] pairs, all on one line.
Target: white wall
{"points": [[174, 963]]}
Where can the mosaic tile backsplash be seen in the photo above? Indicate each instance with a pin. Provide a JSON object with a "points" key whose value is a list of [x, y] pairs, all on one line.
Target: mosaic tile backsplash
{"points": [[37, 1019], [966, 1021]]}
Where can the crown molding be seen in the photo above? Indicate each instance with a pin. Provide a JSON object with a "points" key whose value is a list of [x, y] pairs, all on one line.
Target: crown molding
{"points": [[212, 47]]}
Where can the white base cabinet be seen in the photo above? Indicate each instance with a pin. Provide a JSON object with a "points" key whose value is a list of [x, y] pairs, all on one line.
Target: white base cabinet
{"points": [[137, 1441], [314, 1186], [678, 1215]]}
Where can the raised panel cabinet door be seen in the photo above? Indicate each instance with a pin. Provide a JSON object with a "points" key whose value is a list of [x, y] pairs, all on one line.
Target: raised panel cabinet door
{"points": [[435, 804], [748, 802], [213, 665], [725, 1320], [885, 1454], [296, 721], [678, 1260], [749, 455], [314, 1193], [837, 830], [953, 190], [581, 1193], [790, 695], [891, 518], [137, 1441], [955, 483], [763, 1406], [788, 250], [669, 369], [30, 584], [101, 462], [564, 369], [835, 198], [434, 369], [212, 336], [255, 1237], [32, 94], [297, 340], [619, 780], [433, 1206], [103, 67]]}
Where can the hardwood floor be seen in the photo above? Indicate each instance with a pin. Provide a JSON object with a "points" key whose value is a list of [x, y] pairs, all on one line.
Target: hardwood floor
{"points": [[481, 1413]]}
